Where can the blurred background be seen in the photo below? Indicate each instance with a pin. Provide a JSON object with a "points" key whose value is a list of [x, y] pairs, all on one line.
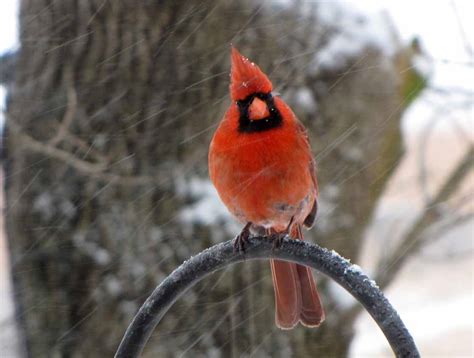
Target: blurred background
{"points": [[107, 113]]}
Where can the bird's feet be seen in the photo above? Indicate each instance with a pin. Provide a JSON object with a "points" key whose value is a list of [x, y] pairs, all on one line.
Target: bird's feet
{"points": [[278, 237], [242, 239]]}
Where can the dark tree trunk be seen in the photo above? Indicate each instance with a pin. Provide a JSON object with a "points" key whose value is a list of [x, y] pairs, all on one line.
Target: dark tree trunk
{"points": [[110, 117]]}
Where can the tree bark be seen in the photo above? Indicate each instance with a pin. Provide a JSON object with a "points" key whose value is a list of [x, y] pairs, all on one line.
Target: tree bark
{"points": [[110, 118]]}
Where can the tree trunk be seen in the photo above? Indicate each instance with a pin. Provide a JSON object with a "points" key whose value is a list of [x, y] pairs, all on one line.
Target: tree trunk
{"points": [[108, 126]]}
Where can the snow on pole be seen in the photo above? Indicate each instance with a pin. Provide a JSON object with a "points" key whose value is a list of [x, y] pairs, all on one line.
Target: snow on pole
{"points": [[222, 255]]}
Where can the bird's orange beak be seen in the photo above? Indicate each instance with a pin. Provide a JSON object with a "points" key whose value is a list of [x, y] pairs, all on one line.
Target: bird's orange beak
{"points": [[246, 78], [258, 109]]}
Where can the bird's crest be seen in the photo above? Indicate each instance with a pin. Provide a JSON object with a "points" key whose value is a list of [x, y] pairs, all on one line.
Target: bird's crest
{"points": [[246, 78]]}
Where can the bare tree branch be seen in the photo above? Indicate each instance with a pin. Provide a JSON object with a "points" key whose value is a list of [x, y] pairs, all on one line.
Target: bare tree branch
{"points": [[70, 110], [95, 170], [462, 31], [437, 231], [440, 114], [413, 240]]}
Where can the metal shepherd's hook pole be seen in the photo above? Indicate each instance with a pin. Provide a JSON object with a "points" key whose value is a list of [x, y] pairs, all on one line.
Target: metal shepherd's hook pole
{"points": [[222, 255]]}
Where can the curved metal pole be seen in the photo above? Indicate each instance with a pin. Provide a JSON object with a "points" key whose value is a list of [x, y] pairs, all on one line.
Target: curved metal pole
{"points": [[219, 256]]}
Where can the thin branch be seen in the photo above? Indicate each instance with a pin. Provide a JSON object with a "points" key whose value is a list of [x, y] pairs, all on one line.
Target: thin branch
{"points": [[462, 31], [63, 132], [439, 230], [56, 153], [413, 240], [422, 168], [423, 147], [222, 255], [449, 90], [70, 110], [95, 170], [86, 148]]}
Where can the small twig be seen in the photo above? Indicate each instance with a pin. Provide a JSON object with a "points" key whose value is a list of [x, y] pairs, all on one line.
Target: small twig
{"points": [[95, 170], [422, 167], [222, 255], [86, 148], [70, 110], [462, 31], [413, 240], [445, 226], [54, 152]]}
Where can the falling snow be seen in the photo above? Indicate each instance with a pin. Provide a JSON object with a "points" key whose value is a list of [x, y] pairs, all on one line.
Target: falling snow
{"points": [[354, 33]]}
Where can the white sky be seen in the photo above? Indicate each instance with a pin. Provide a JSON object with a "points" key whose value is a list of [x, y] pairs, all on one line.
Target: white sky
{"points": [[434, 21], [8, 25]]}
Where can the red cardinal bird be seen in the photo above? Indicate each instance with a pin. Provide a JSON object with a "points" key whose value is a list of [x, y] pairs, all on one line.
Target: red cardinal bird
{"points": [[261, 164]]}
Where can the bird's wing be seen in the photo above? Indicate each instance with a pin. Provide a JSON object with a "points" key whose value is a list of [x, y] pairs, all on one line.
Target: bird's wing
{"points": [[309, 221]]}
